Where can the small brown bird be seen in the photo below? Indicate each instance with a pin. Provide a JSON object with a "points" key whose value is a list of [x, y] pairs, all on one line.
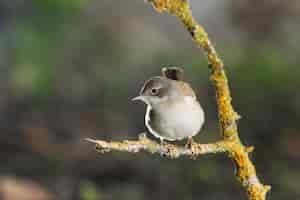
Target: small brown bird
{"points": [[173, 112]]}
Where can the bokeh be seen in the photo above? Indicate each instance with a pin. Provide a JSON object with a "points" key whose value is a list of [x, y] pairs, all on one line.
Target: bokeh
{"points": [[70, 67]]}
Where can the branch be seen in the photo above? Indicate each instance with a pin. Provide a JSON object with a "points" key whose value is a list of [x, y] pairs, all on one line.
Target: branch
{"points": [[231, 144], [246, 172], [165, 149]]}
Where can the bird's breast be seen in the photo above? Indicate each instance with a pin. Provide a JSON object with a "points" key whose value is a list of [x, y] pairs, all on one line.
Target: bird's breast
{"points": [[175, 120]]}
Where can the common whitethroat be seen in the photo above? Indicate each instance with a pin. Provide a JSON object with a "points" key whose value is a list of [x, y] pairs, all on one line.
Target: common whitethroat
{"points": [[173, 111]]}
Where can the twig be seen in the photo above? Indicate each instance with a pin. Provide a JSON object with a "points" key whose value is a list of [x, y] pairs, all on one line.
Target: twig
{"points": [[164, 149]]}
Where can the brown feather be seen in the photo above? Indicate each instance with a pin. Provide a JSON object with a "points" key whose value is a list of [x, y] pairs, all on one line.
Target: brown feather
{"points": [[185, 89]]}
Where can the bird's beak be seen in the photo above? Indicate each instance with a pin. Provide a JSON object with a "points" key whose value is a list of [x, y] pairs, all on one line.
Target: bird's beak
{"points": [[138, 98]]}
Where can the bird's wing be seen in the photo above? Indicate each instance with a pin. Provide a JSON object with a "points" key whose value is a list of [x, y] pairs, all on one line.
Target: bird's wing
{"points": [[186, 89]]}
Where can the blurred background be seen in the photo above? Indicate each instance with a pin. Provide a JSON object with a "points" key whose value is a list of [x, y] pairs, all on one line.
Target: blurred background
{"points": [[70, 67]]}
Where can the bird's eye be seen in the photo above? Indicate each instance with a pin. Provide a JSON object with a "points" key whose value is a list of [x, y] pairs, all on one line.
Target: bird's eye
{"points": [[154, 91]]}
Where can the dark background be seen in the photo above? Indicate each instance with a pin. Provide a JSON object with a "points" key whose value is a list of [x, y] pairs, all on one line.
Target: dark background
{"points": [[68, 69]]}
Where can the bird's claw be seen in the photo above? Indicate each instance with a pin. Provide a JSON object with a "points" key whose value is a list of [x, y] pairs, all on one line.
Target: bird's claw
{"points": [[191, 146]]}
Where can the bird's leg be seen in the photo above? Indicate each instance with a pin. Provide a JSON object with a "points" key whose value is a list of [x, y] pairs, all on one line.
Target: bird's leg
{"points": [[161, 140], [191, 145], [189, 142]]}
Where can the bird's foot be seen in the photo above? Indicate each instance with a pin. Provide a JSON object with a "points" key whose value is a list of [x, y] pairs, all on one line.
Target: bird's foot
{"points": [[163, 142], [190, 144]]}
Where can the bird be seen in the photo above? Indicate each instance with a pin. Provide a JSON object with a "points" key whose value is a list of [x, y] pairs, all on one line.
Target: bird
{"points": [[173, 112]]}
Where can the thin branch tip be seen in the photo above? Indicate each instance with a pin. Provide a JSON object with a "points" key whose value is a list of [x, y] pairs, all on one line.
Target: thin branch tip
{"points": [[249, 149], [90, 140], [267, 188]]}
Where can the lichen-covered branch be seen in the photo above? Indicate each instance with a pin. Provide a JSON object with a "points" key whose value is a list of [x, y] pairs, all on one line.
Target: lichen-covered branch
{"points": [[164, 149], [231, 144]]}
